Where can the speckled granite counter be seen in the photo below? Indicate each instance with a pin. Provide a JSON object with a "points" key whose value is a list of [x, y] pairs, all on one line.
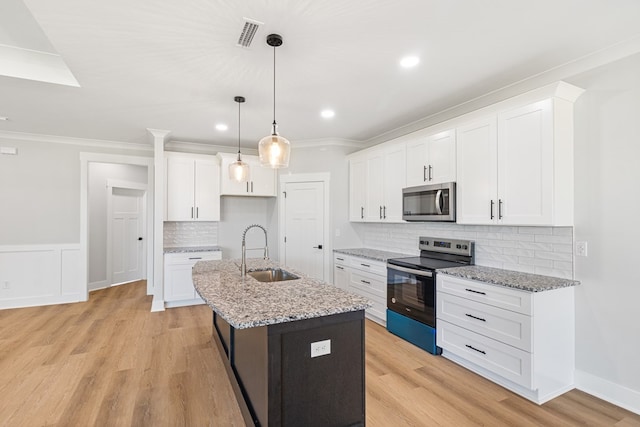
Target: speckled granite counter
{"points": [[511, 279], [186, 249], [246, 303], [373, 254]]}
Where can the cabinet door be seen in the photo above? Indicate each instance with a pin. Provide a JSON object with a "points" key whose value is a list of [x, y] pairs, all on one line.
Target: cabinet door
{"points": [[442, 157], [416, 164], [394, 180], [525, 164], [178, 283], [228, 186], [357, 189], [263, 180], [180, 189], [477, 172], [207, 190], [375, 187], [341, 276]]}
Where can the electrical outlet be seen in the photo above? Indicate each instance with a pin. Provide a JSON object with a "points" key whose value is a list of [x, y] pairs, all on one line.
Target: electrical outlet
{"points": [[5, 285], [320, 348], [581, 249]]}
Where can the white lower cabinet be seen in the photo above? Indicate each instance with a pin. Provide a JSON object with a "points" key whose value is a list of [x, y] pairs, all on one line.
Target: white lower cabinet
{"points": [[521, 340], [365, 277], [178, 283]]}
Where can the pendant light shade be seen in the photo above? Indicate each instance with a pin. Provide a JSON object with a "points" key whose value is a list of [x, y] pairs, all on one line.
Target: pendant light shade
{"points": [[239, 170], [274, 150]]}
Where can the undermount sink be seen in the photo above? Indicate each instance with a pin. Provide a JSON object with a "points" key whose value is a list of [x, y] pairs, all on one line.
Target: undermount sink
{"points": [[272, 275]]}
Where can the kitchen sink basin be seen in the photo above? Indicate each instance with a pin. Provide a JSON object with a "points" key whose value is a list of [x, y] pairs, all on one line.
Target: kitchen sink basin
{"points": [[272, 275]]}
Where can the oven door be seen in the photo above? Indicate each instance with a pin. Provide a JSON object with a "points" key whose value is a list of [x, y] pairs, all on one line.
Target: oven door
{"points": [[412, 293]]}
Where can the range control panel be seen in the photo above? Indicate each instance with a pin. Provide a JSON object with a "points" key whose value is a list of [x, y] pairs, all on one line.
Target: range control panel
{"points": [[448, 246]]}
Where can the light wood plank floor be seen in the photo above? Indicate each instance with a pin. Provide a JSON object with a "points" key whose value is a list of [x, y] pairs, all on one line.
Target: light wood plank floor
{"points": [[110, 362]]}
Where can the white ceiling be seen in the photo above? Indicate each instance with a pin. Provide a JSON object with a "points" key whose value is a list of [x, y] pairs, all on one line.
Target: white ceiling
{"points": [[174, 65]]}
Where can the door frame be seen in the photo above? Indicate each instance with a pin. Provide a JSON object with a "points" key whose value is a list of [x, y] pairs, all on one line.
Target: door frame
{"points": [[129, 185], [85, 159], [325, 178]]}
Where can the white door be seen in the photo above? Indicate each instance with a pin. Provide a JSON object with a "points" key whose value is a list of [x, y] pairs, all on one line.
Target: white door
{"points": [[127, 230], [304, 248]]}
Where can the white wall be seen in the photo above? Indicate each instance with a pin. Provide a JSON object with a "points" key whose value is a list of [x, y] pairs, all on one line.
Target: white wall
{"points": [[98, 175], [607, 213]]}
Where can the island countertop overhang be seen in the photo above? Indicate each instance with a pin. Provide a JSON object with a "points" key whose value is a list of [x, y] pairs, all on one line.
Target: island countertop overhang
{"points": [[245, 302]]}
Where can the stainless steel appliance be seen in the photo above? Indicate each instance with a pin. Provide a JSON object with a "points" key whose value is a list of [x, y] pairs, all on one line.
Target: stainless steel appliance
{"points": [[435, 202], [411, 288]]}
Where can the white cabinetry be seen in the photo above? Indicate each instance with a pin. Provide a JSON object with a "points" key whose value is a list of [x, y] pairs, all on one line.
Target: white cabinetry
{"points": [[178, 284], [193, 188], [262, 180], [521, 340], [516, 167], [376, 183], [431, 159], [364, 277]]}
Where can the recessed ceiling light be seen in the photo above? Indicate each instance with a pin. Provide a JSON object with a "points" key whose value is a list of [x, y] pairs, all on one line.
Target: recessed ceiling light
{"points": [[222, 127], [4, 119], [327, 114], [409, 61]]}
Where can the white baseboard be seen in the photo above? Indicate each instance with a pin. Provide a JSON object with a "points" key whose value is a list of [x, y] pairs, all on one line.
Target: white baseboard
{"points": [[101, 284], [157, 305], [617, 394], [41, 301]]}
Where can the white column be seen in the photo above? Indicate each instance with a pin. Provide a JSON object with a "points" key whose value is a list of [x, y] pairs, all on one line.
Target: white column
{"points": [[158, 139]]}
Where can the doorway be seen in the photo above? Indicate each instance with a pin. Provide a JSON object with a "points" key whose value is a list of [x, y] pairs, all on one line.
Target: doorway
{"points": [[304, 224]]}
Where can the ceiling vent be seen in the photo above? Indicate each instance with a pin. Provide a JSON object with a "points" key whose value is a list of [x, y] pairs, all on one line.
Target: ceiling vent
{"points": [[248, 31]]}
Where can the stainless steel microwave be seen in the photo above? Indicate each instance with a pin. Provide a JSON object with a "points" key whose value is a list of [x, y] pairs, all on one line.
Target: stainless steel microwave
{"points": [[429, 202]]}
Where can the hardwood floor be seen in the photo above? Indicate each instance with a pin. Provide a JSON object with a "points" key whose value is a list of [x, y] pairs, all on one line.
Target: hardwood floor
{"points": [[110, 362]]}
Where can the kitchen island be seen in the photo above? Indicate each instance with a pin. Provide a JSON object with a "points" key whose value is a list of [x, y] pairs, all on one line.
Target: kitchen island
{"points": [[294, 350]]}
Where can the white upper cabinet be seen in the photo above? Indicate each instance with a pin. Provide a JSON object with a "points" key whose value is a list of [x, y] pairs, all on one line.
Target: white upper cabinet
{"points": [[431, 159], [193, 188], [516, 167], [376, 180], [262, 180]]}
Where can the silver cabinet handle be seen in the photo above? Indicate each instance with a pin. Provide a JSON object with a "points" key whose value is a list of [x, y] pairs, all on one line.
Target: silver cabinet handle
{"points": [[197, 212], [252, 186], [424, 173], [475, 349], [384, 212], [195, 257], [491, 209], [475, 317], [192, 212], [365, 265], [410, 271], [499, 208], [247, 186], [430, 175], [340, 259], [362, 212], [364, 281], [438, 205], [339, 268], [380, 212]]}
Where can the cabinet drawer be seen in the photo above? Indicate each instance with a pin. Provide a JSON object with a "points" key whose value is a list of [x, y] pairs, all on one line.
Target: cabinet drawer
{"points": [[502, 359], [364, 264], [503, 325], [341, 259], [378, 309], [497, 296], [369, 283], [191, 257]]}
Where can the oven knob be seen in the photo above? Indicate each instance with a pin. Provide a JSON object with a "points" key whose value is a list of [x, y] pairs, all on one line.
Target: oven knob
{"points": [[393, 300], [459, 246], [465, 247]]}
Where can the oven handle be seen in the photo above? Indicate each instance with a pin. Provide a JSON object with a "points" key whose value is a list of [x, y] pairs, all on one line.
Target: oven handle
{"points": [[410, 271]]}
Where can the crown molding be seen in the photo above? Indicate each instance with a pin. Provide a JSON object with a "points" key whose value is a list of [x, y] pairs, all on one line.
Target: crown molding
{"points": [[68, 140], [202, 148], [324, 142]]}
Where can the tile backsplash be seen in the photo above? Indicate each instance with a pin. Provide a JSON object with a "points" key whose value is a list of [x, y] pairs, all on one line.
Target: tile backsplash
{"points": [[540, 250], [190, 234]]}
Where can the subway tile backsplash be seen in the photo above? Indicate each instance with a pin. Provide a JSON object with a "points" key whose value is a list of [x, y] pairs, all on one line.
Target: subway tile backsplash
{"points": [[540, 250], [178, 234]]}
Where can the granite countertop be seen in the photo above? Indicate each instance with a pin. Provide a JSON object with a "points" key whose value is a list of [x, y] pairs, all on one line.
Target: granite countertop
{"points": [[373, 254], [246, 303], [511, 279], [186, 249]]}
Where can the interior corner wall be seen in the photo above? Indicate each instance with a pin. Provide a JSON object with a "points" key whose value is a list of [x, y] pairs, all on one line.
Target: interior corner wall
{"points": [[236, 214], [98, 175], [607, 203]]}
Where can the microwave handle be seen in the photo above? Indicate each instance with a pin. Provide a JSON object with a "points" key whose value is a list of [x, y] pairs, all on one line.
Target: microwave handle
{"points": [[438, 205]]}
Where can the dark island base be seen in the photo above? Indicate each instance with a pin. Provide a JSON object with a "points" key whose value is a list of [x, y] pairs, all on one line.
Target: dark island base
{"points": [[276, 381]]}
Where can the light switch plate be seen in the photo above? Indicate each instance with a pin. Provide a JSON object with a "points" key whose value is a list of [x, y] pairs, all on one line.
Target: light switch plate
{"points": [[320, 348], [581, 248]]}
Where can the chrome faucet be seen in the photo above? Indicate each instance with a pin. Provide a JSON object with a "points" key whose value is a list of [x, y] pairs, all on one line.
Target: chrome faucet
{"points": [[243, 266]]}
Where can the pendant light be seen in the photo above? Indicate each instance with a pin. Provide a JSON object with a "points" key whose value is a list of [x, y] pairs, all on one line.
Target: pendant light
{"points": [[274, 150], [239, 170]]}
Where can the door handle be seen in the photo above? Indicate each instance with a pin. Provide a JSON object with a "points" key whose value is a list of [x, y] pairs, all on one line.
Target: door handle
{"points": [[317, 247], [139, 238]]}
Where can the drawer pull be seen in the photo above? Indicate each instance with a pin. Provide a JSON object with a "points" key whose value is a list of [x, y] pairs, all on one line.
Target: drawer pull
{"points": [[474, 317], [340, 259], [339, 268], [475, 292], [364, 281], [475, 349], [365, 265], [195, 257]]}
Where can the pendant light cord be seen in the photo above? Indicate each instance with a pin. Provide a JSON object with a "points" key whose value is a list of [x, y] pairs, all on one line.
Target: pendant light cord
{"points": [[274, 91], [239, 130]]}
